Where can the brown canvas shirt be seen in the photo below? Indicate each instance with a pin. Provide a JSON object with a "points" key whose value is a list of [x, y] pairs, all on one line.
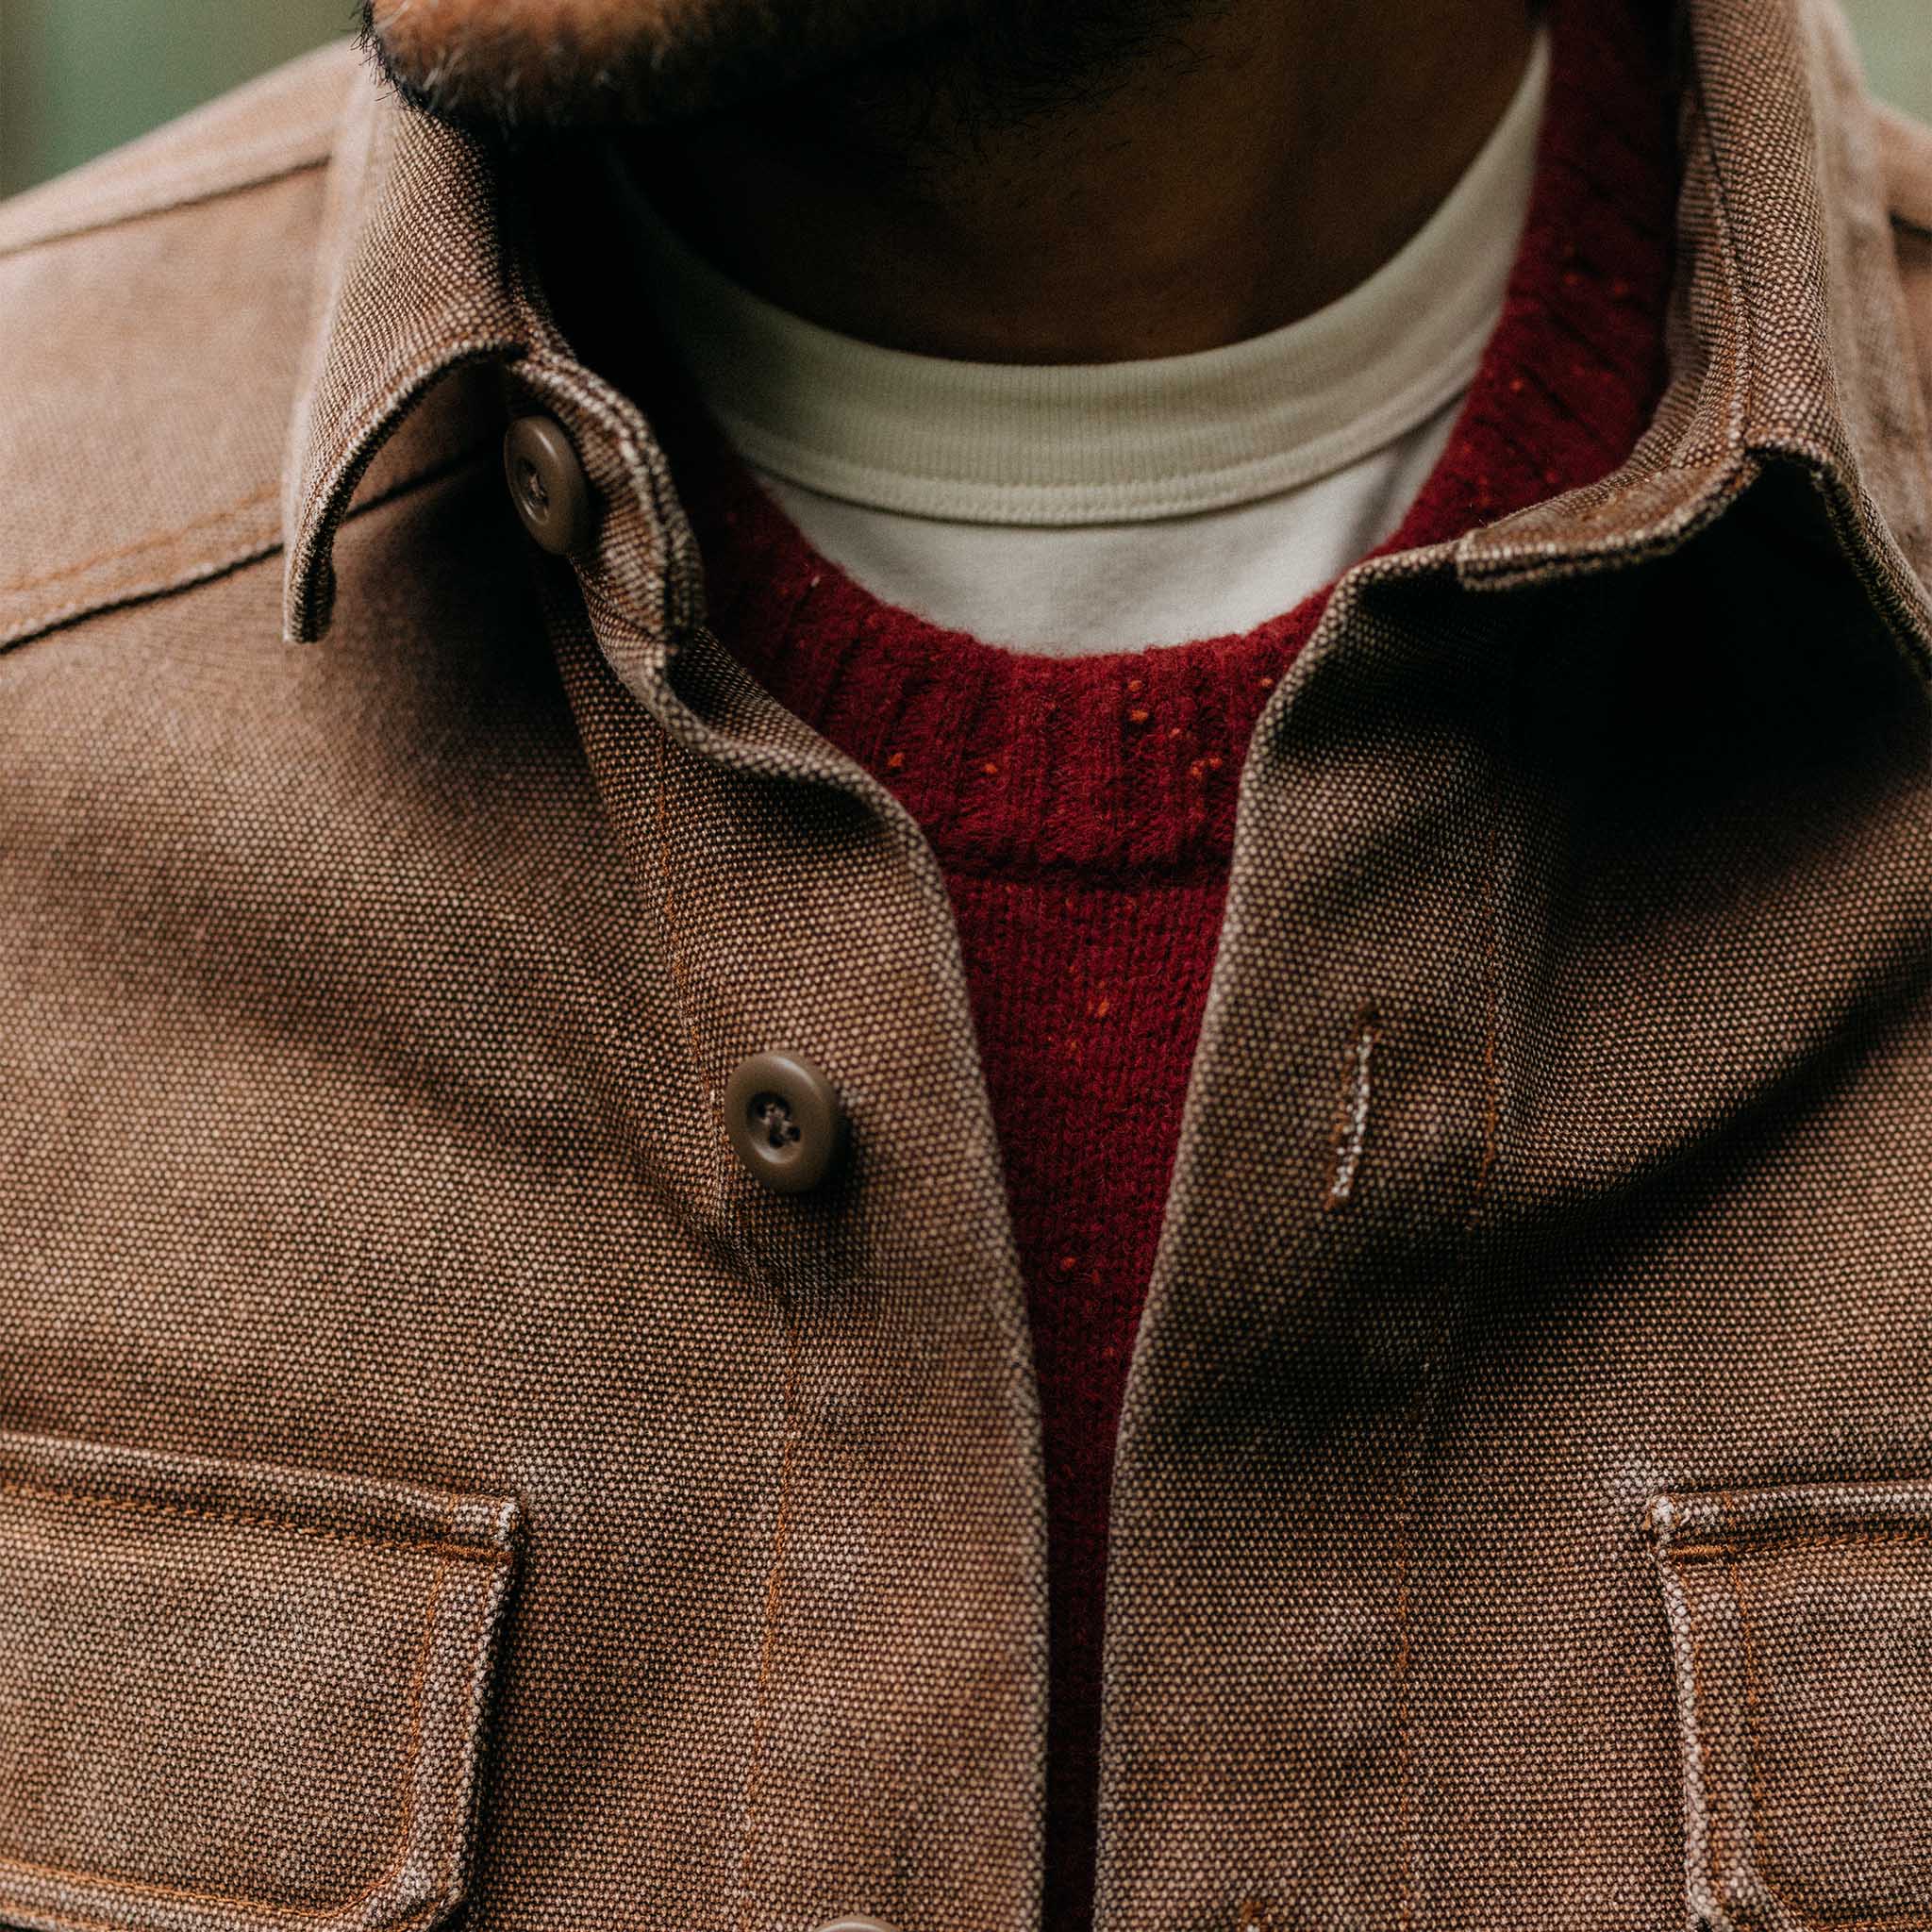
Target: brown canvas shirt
{"points": [[437, 1478]]}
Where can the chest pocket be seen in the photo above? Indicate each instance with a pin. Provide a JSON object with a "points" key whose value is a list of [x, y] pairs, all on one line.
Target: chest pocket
{"points": [[1801, 1630], [234, 1696]]}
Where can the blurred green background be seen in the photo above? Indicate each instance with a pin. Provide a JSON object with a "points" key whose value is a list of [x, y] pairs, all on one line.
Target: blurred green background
{"points": [[80, 76], [77, 76]]}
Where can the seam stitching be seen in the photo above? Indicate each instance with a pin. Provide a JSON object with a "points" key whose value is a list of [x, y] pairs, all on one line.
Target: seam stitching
{"points": [[768, 1646], [79, 1923], [141, 1506], [1773, 1881], [680, 973], [1743, 393], [1353, 1098], [1714, 1872], [141, 543], [302, 163], [419, 1683], [1405, 1728], [187, 576], [1772, 1544], [1406, 1500], [1492, 974], [117, 596]]}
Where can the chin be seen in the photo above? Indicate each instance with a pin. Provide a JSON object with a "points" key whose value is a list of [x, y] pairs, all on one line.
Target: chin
{"points": [[555, 64]]}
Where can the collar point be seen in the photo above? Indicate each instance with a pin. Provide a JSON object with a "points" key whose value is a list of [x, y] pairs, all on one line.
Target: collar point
{"points": [[308, 595]]}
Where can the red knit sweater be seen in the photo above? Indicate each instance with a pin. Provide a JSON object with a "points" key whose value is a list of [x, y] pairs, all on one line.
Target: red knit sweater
{"points": [[1083, 809]]}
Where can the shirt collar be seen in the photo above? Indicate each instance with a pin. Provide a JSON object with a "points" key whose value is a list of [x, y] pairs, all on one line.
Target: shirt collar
{"points": [[1788, 343], [416, 278]]}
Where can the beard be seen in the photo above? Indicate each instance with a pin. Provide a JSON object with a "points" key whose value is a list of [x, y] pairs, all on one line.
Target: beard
{"points": [[507, 67], [572, 64]]}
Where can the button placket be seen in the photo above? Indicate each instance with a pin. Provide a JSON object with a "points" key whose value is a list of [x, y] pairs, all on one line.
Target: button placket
{"points": [[902, 1428]]}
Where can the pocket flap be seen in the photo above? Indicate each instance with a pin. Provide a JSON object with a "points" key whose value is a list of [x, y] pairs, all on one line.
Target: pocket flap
{"points": [[1801, 1625], [237, 1696]]}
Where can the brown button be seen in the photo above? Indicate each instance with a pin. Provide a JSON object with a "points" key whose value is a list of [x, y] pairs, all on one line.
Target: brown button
{"points": [[857, 1926], [786, 1122], [546, 483]]}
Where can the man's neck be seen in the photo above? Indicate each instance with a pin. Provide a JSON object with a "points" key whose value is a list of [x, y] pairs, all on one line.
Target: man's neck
{"points": [[1229, 175]]}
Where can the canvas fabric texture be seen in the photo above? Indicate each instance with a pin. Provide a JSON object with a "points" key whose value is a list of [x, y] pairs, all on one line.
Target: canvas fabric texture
{"points": [[1083, 809], [395, 1356]]}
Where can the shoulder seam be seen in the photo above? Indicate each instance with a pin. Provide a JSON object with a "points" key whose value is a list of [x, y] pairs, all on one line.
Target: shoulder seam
{"points": [[153, 541], [280, 124], [251, 550], [124, 217]]}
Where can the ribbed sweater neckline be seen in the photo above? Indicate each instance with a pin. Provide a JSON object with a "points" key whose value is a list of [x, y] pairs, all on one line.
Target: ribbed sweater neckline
{"points": [[1126, 765]]}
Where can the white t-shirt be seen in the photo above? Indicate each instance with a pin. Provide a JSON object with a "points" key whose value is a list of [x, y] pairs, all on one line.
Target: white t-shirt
{"points": [[1104, 507]]}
